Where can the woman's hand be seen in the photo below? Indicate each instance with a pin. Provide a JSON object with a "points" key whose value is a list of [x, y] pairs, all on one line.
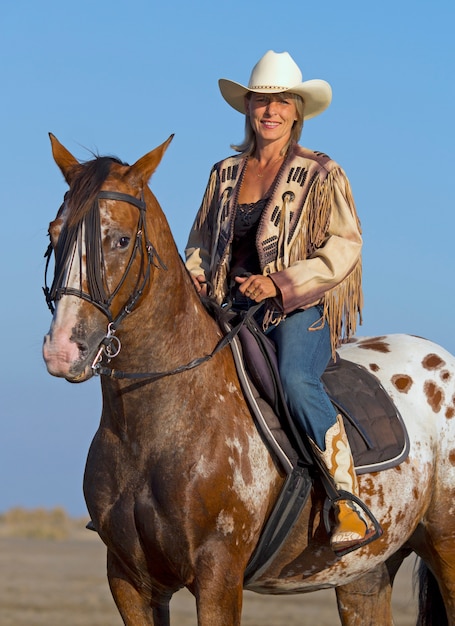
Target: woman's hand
{"points": [[257, 287], [200, 283]]}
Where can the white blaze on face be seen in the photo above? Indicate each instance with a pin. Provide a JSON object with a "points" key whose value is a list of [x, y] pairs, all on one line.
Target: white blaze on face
{"points": [[60, 349]]}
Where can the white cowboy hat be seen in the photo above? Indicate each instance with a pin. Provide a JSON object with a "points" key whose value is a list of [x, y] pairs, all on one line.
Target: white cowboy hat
{"points": [[277, 72]]}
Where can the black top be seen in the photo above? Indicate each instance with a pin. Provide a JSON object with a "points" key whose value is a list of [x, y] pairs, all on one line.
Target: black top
{"points": [[245, 258]]}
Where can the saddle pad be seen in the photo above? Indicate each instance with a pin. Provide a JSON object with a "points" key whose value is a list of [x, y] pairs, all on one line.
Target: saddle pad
{"points": [[374, 427]]}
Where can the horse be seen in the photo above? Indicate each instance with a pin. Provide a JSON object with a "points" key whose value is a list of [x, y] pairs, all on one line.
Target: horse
{"points": [[178, 481]]}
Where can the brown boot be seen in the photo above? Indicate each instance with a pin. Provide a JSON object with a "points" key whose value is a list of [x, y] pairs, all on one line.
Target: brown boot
{"points": [[352, 530]]}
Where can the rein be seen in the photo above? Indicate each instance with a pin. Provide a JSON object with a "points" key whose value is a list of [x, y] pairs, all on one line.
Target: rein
{"points": [[224, 341]]}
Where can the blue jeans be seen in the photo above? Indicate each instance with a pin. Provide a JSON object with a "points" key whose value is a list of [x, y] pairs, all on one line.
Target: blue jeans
{"points": [[304, 350]]}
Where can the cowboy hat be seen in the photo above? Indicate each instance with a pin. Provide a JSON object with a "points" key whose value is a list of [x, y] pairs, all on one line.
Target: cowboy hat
{"points": [[277, 72]]}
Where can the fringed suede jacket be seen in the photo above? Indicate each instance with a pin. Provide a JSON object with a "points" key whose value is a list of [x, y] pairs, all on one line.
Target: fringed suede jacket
{"points": [[308, 238]]}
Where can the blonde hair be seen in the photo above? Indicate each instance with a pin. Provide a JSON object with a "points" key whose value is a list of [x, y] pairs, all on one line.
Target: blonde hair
{"points": [[248, 145]]}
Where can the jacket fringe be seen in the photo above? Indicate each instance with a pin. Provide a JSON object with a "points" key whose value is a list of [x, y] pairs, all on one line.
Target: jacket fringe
{"points": [[317, 219], [343, 307]]}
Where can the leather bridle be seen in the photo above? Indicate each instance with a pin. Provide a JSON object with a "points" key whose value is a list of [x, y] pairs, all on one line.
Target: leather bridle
{"points": [[96, 293]]}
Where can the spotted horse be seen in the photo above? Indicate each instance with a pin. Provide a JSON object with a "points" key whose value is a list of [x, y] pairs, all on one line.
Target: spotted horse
{"points": [[178, 482]]}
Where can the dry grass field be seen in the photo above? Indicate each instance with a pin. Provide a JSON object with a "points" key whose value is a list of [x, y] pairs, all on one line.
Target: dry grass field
{"points": [[52, 573]]}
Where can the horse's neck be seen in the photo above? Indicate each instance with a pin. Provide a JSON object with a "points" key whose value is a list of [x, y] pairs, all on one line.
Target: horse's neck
{"points": [[177, 326], [169, 329], [142, 412]]}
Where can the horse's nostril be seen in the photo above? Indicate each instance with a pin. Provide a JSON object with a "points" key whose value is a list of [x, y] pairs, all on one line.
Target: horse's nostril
{"points": [[83, 348]]}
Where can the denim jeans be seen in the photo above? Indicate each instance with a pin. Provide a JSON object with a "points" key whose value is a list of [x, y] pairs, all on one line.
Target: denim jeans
{"points": [[304, 350]]}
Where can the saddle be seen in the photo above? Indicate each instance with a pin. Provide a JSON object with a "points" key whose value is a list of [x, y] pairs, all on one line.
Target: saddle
{"points": [[375, 429]]}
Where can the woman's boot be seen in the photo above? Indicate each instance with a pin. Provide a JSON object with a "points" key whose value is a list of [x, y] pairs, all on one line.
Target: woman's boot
{"points": [[351, 530]]}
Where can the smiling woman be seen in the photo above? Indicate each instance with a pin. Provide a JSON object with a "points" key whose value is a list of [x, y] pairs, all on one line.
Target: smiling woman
{"points": [[298, 251]]}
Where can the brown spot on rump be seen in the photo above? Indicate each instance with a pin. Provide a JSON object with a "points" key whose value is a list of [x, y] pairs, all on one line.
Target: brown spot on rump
{"points": [[452, 457], [445, 376], [369, 489], [400, 515], [432, 362], [434, 394], [375, 343], [450, 409], [402, 382], [374, 367]]}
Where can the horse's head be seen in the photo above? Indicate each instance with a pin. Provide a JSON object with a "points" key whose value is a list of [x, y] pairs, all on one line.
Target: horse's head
{"points": [[103, 257]]}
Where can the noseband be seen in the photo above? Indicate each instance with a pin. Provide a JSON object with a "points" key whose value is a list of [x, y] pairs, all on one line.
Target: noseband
{"points": [[96, 292]]}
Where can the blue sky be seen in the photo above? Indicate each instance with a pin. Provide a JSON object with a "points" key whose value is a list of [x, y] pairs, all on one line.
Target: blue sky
{"points": [[119, 78]]}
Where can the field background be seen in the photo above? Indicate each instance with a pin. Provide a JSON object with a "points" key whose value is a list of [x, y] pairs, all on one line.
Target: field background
{"points": [[52, 572]]}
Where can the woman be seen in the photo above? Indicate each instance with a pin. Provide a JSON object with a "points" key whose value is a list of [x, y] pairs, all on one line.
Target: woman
{"points": [[278, 224]]}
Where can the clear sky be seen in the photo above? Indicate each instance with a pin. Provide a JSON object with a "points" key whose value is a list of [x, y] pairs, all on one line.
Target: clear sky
{"points": [[118, 78]]}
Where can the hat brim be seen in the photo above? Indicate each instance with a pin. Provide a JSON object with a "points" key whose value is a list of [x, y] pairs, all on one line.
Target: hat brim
{"points": [[316, 93]]}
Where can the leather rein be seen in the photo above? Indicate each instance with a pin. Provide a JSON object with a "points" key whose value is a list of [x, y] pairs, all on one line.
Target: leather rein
{"points": [[96, 295]]}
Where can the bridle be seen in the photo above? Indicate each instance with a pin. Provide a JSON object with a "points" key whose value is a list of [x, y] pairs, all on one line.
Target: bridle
{"points": [[97, 295]]}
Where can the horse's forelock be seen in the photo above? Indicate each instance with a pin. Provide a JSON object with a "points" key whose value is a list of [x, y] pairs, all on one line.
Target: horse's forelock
{"points": [[86, 182]]}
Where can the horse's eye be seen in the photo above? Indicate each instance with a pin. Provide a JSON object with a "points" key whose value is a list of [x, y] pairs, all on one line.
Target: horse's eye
{"points": [[123, 242]]}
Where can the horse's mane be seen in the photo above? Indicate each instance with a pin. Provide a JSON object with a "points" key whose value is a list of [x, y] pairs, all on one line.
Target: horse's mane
{"points": [[86, 181]]}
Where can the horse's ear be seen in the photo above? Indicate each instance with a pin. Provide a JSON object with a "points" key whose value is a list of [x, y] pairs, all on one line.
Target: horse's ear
{"points": [[143, 169], [62, 157]]}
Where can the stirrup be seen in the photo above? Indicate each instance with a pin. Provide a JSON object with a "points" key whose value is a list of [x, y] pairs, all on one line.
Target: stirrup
{"points": [[373, 530]]}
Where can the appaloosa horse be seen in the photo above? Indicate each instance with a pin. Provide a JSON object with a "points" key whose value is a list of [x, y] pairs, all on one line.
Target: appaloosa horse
{"points": [[178, 481]]}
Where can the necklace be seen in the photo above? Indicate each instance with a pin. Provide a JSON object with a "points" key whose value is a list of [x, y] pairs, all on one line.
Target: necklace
{"points": [[260, 174]]}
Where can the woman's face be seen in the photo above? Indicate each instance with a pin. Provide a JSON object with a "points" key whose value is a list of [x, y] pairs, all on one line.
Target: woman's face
{"points": [[271, 116]]}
